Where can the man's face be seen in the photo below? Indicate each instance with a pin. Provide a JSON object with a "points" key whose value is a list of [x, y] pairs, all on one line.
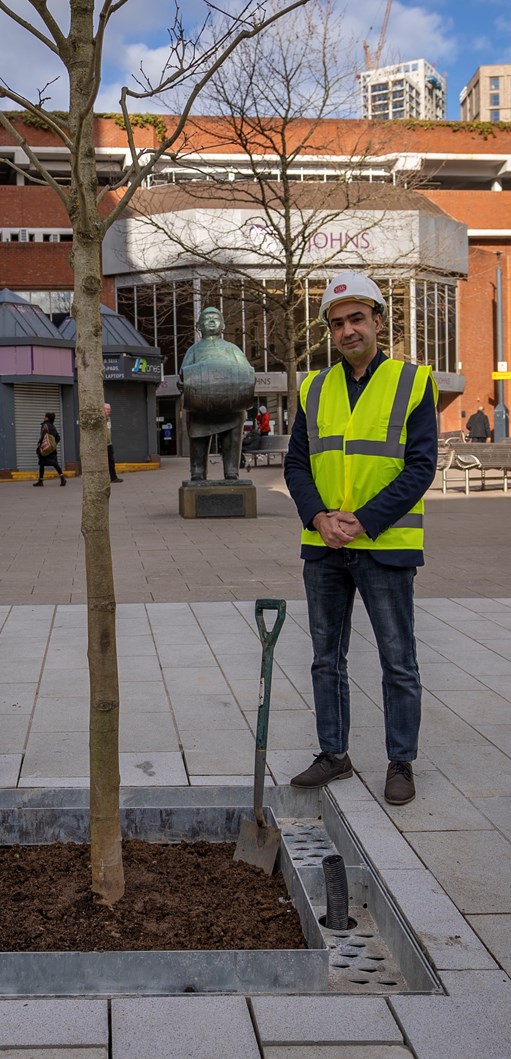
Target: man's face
{"points": [[354, 330], [210, 322]]}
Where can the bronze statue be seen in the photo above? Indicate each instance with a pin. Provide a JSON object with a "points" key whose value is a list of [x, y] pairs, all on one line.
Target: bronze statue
{"points": [[218, 387]]}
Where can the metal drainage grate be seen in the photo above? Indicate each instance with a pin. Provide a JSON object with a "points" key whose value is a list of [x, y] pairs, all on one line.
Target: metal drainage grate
{"points": [[360, 959]]}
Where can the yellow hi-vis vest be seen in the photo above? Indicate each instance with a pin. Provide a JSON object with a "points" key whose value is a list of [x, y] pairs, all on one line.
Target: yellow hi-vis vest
{"points": [[355, 454]]}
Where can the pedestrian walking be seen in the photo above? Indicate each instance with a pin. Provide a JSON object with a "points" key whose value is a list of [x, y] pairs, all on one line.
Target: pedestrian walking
{"points": [[110, 449], [46, 450], [263, 420], [362, 452], [478, 426]]}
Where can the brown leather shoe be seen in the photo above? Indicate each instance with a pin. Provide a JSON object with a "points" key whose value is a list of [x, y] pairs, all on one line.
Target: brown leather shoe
{"points": [[324, 769], [399, 786]]}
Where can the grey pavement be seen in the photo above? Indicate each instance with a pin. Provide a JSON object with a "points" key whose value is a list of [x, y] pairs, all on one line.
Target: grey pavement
{"points": [[189, 659]]}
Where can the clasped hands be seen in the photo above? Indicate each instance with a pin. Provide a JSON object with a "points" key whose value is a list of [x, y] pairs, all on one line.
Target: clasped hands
{"points": [[337, 528]]}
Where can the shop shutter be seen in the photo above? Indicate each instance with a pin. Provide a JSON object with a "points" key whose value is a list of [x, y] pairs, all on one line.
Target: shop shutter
{"points": [[30, 404]]}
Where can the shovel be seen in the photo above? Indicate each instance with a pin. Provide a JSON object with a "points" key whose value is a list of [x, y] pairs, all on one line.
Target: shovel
{"points": [[258, 843]]}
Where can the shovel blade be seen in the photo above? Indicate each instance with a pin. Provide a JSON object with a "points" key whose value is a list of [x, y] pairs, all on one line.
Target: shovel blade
{"points": [[257, 845]]}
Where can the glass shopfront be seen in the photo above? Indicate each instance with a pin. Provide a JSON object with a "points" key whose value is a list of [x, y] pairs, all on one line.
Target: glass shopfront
{"points": [[421, 325]]}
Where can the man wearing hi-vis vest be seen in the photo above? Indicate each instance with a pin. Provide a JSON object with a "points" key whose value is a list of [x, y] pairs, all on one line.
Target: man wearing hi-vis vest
{"points": [[361, 455]]}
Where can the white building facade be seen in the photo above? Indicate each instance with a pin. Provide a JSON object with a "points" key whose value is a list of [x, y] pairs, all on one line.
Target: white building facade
{"points": [[405, 90]]}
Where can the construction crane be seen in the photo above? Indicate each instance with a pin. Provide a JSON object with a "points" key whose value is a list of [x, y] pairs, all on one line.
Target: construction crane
{"points": [[373, 58]]}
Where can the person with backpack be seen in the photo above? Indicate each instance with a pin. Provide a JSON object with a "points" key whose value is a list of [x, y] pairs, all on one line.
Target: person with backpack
{"points": [[47, 449]]}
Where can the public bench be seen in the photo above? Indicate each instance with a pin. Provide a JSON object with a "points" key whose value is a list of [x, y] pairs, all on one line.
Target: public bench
{"points": [[484, 464], [264, 447]]}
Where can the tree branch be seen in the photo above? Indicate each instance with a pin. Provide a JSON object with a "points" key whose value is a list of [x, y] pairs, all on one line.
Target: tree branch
{"points": [[51, 24], [29, 28], [21, 141], [49, 119]]}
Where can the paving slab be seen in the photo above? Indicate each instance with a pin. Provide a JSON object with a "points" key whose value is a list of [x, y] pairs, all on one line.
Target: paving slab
{"points": [[498, 734], [46, 755], [341, 1051], [467, 704], [154, 769], [195, 714], [495, 933], [383, 843], [17, 698], [442, 929], [218, 753], [141, 733], [183, 1028], [148, 696], [10, 765], [498, 810], [324, 1019], [440, 725], [53, 1022], [438, 806], [69, 682], [197, 680], [14, 733], [288, 729], [481, 772], [475, 873], [61, 714], [455, 1027], [58, 1053], [459, 983]]}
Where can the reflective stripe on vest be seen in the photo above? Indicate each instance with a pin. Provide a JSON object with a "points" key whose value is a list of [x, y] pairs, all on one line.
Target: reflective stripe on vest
{"points": [[390, 447], [349, 471]]}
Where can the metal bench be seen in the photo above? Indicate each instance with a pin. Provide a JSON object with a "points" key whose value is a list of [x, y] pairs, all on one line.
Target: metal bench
{"points": [[482, 463], [268, 446]]}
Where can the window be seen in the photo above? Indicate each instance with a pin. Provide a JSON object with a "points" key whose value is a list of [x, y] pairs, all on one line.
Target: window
{"points": [[494, 115], [436, 325], [494, 84], [145, 312], [495, 99], [165, 326], [126, 303]]}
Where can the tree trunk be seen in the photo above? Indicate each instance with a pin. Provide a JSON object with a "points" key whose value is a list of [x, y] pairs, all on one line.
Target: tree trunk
{"points": [[105, 830]]}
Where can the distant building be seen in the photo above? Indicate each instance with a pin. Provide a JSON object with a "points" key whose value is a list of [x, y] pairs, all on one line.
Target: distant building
{"points": [[487, 97], [406, 90]]}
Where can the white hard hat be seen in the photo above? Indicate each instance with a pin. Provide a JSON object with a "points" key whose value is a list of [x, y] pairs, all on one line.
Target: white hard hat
{"points": [[262, 408], [355, 287]]}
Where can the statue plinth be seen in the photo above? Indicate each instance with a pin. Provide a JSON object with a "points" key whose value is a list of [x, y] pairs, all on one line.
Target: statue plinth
{"points": [[218, 499]]}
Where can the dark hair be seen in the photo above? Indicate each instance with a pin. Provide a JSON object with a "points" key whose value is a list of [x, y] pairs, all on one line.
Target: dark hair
{"points": [[50, 416]]}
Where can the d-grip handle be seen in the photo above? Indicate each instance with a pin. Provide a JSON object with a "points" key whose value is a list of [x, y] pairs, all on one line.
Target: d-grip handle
{"points": [[269, 636]]}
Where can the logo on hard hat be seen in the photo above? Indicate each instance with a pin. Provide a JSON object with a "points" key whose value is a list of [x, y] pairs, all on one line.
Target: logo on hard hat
{"points": [[341, 288]]}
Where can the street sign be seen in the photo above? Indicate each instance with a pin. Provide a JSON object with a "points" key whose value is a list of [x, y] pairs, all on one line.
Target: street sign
{"points": [[501, 374], [502, 365]]}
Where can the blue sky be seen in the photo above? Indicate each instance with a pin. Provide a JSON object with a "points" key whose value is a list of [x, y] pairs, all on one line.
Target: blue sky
{"points": [[454, 36], [459, 37]]}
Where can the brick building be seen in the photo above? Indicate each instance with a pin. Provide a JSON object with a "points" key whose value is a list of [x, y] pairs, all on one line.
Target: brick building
{"points": [[440, 274]]}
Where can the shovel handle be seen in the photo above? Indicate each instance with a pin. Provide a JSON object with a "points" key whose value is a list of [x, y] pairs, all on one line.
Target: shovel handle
{"points": [[268, 640], [269, 636]]}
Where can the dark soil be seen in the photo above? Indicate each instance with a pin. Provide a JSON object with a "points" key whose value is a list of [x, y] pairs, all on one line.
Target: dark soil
{"points": [[192, 895]]}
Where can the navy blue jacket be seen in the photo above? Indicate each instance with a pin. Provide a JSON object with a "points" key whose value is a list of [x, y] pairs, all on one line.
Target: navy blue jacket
{"points": [[392, 502]]}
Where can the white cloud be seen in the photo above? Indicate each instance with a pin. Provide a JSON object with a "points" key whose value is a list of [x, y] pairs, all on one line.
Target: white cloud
{"points": [[139, 32], [414, 31]]}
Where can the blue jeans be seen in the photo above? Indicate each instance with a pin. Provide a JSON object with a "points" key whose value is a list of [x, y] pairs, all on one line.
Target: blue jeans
{"points": [[387, 594]]}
